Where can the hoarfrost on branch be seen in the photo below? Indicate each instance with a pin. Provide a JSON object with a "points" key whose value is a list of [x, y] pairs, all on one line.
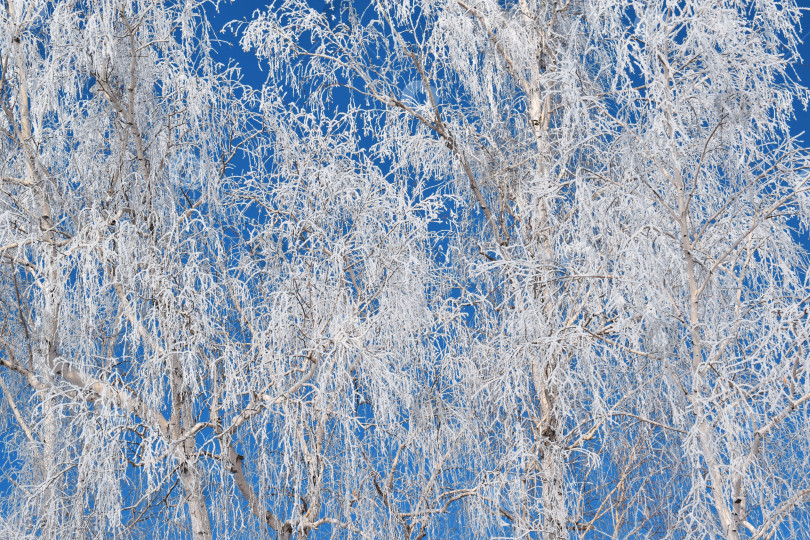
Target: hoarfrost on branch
{"points": [[468, 268]]}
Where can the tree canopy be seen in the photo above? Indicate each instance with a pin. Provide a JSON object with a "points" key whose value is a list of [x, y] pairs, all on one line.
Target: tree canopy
{"points": [[456, 268]]}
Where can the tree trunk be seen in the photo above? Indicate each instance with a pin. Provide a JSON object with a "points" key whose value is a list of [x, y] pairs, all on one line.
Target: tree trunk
{"points": [[554, 511], [195, 499]]}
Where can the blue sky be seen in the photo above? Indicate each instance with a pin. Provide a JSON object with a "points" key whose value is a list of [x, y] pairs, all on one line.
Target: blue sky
{"points": [[802, 122]]}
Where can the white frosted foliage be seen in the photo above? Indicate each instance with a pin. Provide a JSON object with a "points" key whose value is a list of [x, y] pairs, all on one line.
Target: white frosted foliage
{"points": [[459, 268]]}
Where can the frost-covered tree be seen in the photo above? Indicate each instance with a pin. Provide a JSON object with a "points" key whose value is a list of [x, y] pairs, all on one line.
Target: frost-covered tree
{"points": [[116, 135], [460, 268]]}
